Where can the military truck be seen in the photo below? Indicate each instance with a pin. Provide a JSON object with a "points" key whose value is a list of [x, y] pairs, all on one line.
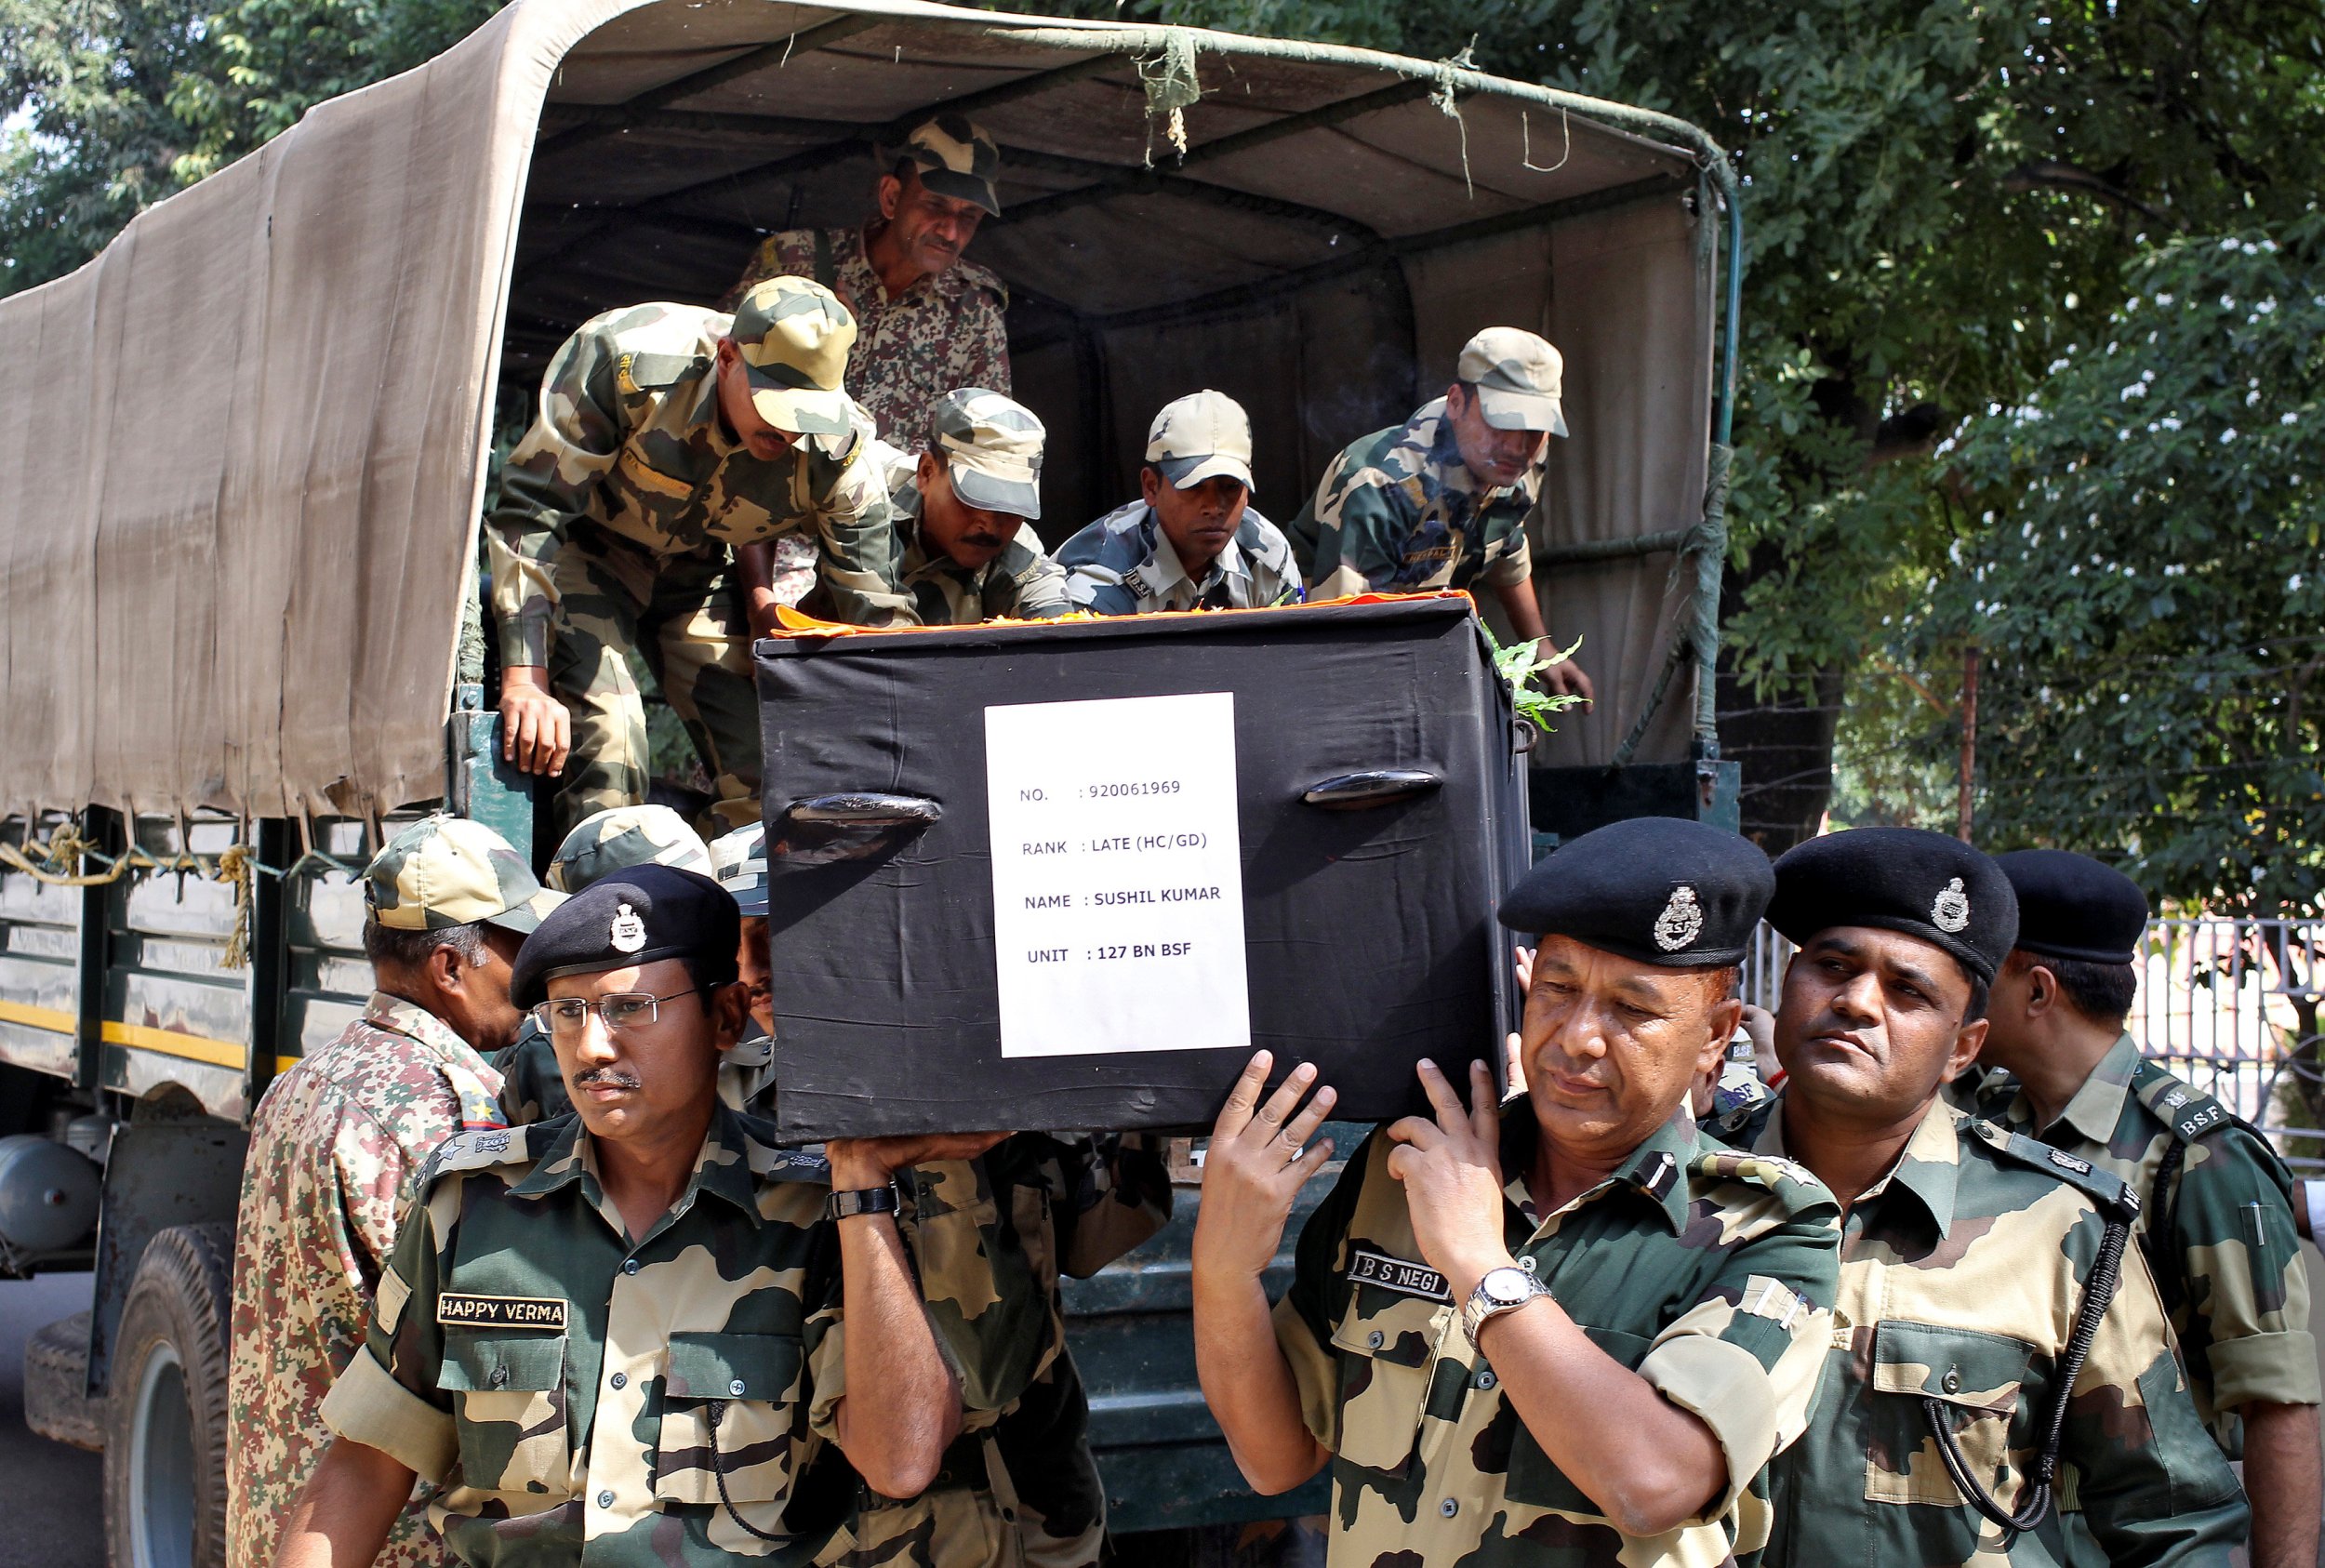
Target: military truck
{"points": [[249, 443]]}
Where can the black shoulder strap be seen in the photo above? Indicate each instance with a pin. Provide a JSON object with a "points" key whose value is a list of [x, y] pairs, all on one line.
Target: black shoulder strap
{"points": [[826, 274], [2114, 1196]]}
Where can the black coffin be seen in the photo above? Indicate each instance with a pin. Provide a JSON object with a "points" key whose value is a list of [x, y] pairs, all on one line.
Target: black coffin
{"points": [[1379, 816]]}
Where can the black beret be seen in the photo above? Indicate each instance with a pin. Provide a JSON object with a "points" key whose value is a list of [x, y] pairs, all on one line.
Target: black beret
{"points": [[2070, 906], [633, 916], [1925, 884], [1658, 890]]}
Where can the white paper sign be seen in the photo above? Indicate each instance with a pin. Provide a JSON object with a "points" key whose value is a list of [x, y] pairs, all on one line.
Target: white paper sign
{"points": [[1118, 885]]}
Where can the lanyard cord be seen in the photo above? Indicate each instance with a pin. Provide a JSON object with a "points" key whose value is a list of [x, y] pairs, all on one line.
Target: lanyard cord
{"points": [[714, 1413]]}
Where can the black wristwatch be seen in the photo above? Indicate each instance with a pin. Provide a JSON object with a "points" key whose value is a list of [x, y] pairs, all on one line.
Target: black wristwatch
{"points": [[863, 1200]]}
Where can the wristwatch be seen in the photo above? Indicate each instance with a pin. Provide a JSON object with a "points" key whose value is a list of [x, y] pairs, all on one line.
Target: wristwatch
{"points": [[1502, 1290], [862, 1200]]}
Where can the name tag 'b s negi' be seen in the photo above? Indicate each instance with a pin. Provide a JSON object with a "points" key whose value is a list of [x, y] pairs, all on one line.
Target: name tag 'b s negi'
{"points": [[1395, 1274], [501, 1312]]}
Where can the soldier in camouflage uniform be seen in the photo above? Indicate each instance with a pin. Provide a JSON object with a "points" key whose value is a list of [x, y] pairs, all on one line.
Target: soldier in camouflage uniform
{"points": [[599, 845], [1973, 1261], [2215, 1218], [1193, 541], [739, 862], [930, 320], [620, 1334], [666, 436], [1569, 1332], [965, 507], [1442, 500], [336, 1144]]}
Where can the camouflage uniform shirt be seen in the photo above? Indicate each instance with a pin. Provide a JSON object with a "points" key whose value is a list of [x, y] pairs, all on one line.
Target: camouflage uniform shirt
{"points": [[1022, 582], [2230, 1266], [1708, 1273], [989, 1238], [335, 1149], [1398, 512], [559, 1382], [1961, 1272], [944, 332], [1123, 565], [627, 437]]}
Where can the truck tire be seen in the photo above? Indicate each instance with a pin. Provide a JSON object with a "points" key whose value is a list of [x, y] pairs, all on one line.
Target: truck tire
{"points": [[55, 1372], [166, 1410]]}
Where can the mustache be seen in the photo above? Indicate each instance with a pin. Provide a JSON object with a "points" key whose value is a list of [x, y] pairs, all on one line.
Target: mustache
{"points": [[613, 1076]]}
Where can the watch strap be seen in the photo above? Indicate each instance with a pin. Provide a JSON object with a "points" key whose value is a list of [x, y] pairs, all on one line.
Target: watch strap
{"points": [[1480, 1307], [862, 1200]]}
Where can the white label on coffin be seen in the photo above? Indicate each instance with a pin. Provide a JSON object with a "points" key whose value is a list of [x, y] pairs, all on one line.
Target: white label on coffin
{"points": [[1118, 884]]}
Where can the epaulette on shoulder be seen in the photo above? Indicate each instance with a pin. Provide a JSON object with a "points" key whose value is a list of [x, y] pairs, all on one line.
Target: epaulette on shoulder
{"points": [[1740, 1127], [974, 276], [634, 373], [770, 1163], [2102, 1187], [1794, 1183], [2190, 1113], [477, 1149]]}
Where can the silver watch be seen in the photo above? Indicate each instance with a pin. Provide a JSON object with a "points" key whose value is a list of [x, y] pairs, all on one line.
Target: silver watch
{"points": [[1501, 1290]]}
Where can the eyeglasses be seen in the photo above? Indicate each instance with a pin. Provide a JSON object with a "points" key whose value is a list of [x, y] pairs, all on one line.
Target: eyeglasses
{"points": [[567, 1018]]}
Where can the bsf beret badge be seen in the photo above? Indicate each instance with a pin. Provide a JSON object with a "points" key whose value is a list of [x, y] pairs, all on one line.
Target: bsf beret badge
{"points": [[1951, 911], [1682, 919], [628, 932]]}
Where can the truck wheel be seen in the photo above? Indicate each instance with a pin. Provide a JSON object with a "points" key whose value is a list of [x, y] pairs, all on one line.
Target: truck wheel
{"points": [[56, 1374], [165, 1413]]}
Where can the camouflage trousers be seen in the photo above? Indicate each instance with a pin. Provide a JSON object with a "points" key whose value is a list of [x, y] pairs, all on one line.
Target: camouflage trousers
{"points": [[684, 616]]}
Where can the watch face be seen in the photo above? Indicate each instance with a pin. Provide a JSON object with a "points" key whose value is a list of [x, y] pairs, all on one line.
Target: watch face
{"points": [[1504, 1285]]}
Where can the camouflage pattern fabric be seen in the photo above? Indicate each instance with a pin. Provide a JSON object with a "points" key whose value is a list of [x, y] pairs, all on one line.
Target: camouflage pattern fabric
{"points": [[990, 1238], [335, 1149], [1708, 1274], [1398, 512], [623, 836], [943, 332], [556, 1382], [1022, 582], [2230, 1269], [447, 871], [685, 615], [532, 1089], [1961, 1272], [627, 437], [955, 157], [1123, 565]]}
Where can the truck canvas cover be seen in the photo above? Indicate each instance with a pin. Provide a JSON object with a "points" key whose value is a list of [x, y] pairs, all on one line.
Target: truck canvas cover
{"points": [[249, 443]]}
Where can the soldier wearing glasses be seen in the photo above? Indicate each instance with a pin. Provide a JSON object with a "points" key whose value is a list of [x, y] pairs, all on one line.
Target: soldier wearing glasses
{"points": [[621, 1333]]}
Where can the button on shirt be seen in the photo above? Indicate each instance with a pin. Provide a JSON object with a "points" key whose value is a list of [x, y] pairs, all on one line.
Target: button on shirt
{"points": [[558, 1383], [1123, 564], [1708, 1275], [1961, 1273]]}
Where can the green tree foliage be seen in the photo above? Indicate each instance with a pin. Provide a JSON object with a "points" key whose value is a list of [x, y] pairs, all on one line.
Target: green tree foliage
{"points": [[120, 102], [2145, 581]]}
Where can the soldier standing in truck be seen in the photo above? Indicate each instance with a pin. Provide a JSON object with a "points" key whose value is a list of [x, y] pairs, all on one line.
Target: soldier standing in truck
{"points": [[666, 437]]}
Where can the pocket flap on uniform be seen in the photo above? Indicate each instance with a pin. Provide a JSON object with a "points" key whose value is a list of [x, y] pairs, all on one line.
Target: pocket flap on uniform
{"points": [[1400, 1330], [1960, 1367], [733, 1366], [498, 1363]]}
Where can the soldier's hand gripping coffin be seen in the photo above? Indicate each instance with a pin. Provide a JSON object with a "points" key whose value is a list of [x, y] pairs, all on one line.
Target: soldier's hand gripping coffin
{"points": [[1064, 875]]}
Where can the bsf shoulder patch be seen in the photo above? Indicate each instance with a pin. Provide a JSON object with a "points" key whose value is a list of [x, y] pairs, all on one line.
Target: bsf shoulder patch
{"points": [[1396, 1274], [2190, 1113], [461, 1309], [477, 1147]]}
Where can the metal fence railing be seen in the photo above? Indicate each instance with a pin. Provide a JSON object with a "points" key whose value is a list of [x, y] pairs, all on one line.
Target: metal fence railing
{"points": [[2231, 1005]]}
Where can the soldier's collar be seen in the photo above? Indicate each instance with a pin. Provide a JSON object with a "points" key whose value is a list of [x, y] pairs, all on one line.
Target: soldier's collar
{"points": [[2096, 1109], [722, 1168], [1927, 1169], [1656, 1169], [415, 1022], [1169, 569], [560, 1165]]}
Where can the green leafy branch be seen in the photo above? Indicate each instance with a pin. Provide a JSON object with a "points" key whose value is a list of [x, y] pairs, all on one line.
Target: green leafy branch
{"points": [[1518, 664]]}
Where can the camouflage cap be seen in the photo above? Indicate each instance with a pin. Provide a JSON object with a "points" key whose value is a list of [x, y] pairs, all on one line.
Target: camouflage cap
{"points": [[1517, 375], [1201, 436], [795, 336], [444, 871], [954, 157], [623, 836], [739, 861], [992, 448]]}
